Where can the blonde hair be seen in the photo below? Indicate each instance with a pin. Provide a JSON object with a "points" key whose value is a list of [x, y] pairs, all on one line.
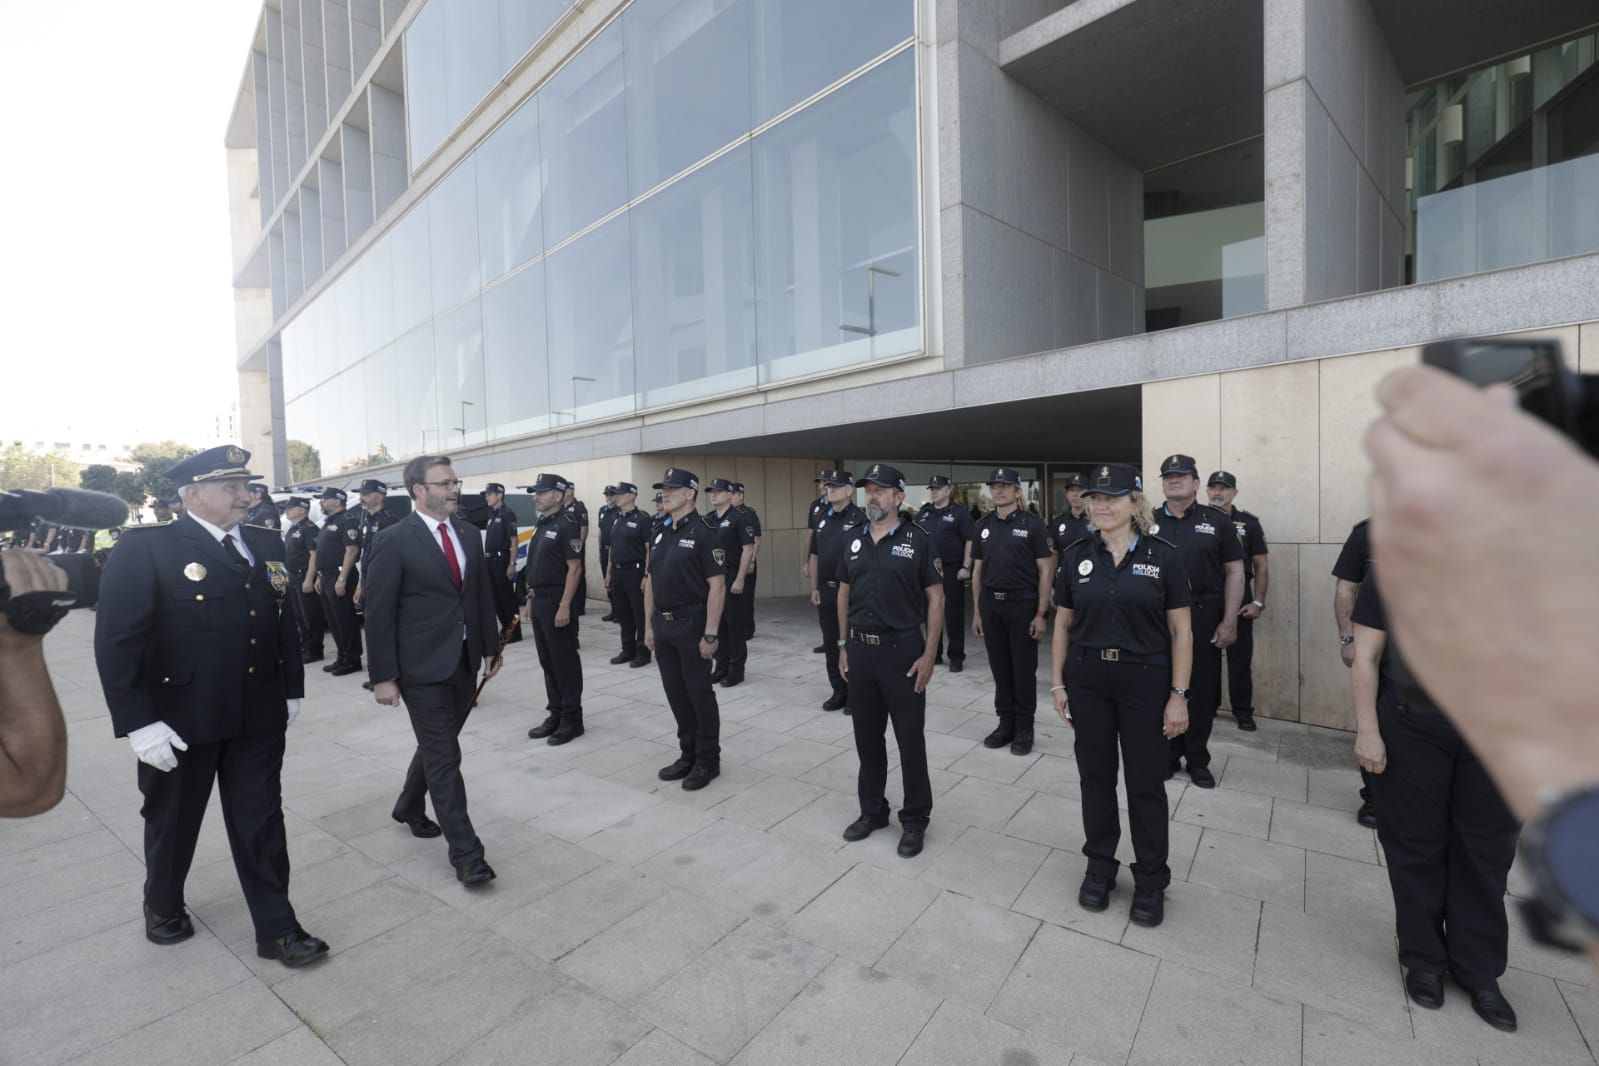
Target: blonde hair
{"points": [[1141, 519]]}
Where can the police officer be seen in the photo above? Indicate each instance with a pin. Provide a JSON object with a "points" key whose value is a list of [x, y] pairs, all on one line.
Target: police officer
{"points": [[685, 589], [1222, 487], [43, 537], [889, 587], [754, 521], [737, 539], [1122, 656], [200, 665], [1214, 562], [659, 517], [263, 512], [839, 524], [578, 512], [499, 554], [338, 547], [630, 536], [952, 529], [374, 519], [162, 509], [1072, 524], [1349, 570], [606, 518], [298, 543], [1010, 582], [818, 505], [554, 584], [175, 505], [1446, 833]]}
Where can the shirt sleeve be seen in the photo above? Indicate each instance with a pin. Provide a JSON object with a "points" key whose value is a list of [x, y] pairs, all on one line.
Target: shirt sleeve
{"points": [[930, 570], [1063, 586], [706, 543], [571, 542], [746, 532], [963, 524], [1176, 582], [1232, 550], [1369, 611], [1257, 538], [1351, 564], [977, 544], [1040, 540]]}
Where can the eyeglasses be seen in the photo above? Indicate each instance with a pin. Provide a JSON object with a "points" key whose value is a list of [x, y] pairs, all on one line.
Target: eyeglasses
{"points": [[452, 483]]}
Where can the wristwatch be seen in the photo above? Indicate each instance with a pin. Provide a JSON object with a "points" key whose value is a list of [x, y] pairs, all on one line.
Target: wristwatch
{"points": [[1346, 639], [1183, 692], [710, 638], [1558, 848], [1257, 605]]}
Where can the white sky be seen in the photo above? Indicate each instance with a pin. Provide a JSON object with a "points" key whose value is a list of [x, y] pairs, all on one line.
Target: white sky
{"points": [[116, 306]]}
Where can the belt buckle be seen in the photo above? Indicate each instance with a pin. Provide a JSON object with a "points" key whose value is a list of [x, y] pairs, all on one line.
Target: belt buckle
{"points": [[667, 615], [871, 639], [1110, 655], [832, 584], [999, 595]]}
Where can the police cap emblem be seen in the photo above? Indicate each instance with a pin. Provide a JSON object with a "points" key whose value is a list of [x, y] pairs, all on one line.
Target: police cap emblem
{"points": [[235, 454]]}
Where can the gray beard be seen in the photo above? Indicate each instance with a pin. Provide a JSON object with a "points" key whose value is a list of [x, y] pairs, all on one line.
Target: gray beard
{"points": [[876, 513]]}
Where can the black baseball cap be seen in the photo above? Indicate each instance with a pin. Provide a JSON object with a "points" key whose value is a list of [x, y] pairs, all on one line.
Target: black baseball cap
{"points": [[373, 485], [657, 497], [1004, 475], [836, 477], [494, 486], [298, 501], [721, 484], [938, 481], [1222, 477], [1116, 479], [550, 483], [678, 478], [1179, 464], [1076, 481], [738, 486], [331, 493], [884, 475], [610, 490], [258, 489], [625, 487]]}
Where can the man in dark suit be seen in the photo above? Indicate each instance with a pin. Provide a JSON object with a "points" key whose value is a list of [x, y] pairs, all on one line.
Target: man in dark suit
{"points": [[199, 658], [430, 623]]}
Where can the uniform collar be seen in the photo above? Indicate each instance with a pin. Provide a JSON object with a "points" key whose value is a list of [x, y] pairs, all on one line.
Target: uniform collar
{"points": [[217, 532]]}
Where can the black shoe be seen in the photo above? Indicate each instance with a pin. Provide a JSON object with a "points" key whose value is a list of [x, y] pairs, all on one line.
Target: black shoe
{"points": [[622, 657], [1022, 743], [641, 660], [820, 649], [367, 685], [346, 670], [474, 872], [1094, 895], [1425, 989], [1002, 735], [607, 617], [1367, 815], [332, 666], [159, 930], [678, 770], [1246, 723], [1149, 906], [837, 701], [702, 775], [1201, 777], [957, 665], [1492, 1006], [293, 950], [569, 731], [734, 677], [910, 841], [863, 827], [544, 728], [718, 674], [421, 826]]}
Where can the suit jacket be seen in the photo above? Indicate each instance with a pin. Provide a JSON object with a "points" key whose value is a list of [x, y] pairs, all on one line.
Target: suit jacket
{"points": [[183, 636], [414, 612]]}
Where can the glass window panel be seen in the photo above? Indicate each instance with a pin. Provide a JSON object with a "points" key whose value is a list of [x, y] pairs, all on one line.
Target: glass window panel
{"points": [[835, 197], [413, 271], [471, 54], [299, 423], [458, 349], [510, 191], [515, 355], [591, 325], [297, 358], [522, 23], [688, 90], [416, 393], [583, 137], [382, 411], [377, 297], [694, 284], [452, 227], [324, 318], [347, 326], [801, 48], [427, 108], [350, 403]]}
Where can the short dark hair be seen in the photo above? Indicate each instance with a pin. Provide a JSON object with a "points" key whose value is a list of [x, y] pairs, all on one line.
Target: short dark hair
{"points": [[416, 471]]}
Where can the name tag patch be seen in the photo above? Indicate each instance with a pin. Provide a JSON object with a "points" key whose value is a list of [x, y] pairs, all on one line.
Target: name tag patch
{"points": [[1146, 570], [903, 551], [686, 543], [1205, 527], [1018, 532]]}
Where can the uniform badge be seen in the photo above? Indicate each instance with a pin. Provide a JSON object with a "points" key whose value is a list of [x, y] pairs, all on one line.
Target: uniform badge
{"points": [[658, 537], [822, 524], [985, 534], [938, 564], [1085, 567], [278, 575], [353, 534], [194, 572], [856, 546], [720, 556], [576, 545], [235, 455], [1153, 530]]}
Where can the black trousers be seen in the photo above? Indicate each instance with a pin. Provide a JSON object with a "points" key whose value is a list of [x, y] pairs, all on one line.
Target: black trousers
{"points": [[827, 615], [954, 635], [1240, 671], [558, 657], [1205, 681], [438, 712], [341, 617], [1121, 704], [749, 603], [248, 772], [687, 680], [1012, 655], [627, 600], [505, 605], [1449, 841], [880, 693], [732, 640], [307, 608]]}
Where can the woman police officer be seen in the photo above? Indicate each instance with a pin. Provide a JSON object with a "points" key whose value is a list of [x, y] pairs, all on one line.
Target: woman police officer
{"points": [[1123, 651]]}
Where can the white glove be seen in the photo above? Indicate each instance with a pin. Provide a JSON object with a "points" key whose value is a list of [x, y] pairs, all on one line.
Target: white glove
{"points": [[294, 711], [153, 745]]}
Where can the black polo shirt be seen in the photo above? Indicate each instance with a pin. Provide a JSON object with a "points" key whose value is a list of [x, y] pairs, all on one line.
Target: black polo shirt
{"points": [[834, 531], [818, 508], [1065, 528], [1355, 558], [339, 532], [499, 536], [1252, 536], [1010, 549], [684, 556], [754, 521], [1395, 683], [607, 521], [888, 579], [578, 512], [951, 528], [1208, 542], [555, 540], [734, 531], [297, 545], [371, 526], [1124, 606], [630, 532]]}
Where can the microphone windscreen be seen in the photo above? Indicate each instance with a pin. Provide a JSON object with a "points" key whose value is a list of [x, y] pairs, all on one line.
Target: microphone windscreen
{"points": [[79, 508]]}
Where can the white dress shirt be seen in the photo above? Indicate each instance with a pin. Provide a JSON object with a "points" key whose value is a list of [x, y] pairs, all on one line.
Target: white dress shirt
{"points": [[238, 538], [434, 525]]}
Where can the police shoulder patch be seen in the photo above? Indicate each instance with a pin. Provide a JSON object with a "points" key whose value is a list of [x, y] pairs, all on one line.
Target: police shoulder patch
{"points": [[720, 555], [353, 533], [575, 544], [938, 565]]}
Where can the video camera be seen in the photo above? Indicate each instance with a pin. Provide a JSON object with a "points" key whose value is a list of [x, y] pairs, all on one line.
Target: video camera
{"points": [[1548, 389], [37, 612]]}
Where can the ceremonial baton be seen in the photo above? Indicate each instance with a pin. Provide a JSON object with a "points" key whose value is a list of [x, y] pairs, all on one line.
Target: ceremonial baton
{"points": [[505, 638]]}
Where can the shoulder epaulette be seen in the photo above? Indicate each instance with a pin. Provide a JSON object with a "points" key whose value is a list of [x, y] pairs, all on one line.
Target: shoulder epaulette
{"points": [[149, 525], [1163, 540], [1074, 544]]}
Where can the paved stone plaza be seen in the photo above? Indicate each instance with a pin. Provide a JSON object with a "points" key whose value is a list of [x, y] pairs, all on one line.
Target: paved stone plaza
{"points": [[637, 924]]}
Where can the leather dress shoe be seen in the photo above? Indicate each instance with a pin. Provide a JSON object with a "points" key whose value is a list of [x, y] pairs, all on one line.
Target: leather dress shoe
{"points": [[474, 872], [1367, 815], [1094, 895], [1425, 989], [910, 841], [718, 674], [1149, 907], [345, 670], [642, 659], [836, 701], [678, 770], [820, 649], [367, 685], [607, 617], [1001, 736], [569, 731], [863, 827], [294, 949], [332, 666], [421, 826], [1491, 1005], [1246, 723], [1022, 742], [957, 665], [734, 677], [544, 728], [1201, 777], [702, 775], [621, 657], [159, 930]]}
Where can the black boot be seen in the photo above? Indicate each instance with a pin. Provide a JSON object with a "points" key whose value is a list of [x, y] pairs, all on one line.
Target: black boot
{"points": [[701, 775], [545, 728], [1022, 743], [1002, 735], [837, 701], [678, 770], [641, 659]]}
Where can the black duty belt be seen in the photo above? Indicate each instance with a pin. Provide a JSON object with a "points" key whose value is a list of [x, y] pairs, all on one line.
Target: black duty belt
{"points": [[886, 636], [831, 584], [1012, 594], [548, 590], [688, 611], [1118, 655], [497, 555], [625, 566]]}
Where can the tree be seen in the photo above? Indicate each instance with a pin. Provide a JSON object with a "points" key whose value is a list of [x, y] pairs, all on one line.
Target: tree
{"points": [[22, 469], [155, 458], [305, 462], [123, 484]]}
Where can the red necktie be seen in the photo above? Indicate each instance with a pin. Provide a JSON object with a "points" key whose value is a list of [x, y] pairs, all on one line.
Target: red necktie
{"points": [[449, 555]]}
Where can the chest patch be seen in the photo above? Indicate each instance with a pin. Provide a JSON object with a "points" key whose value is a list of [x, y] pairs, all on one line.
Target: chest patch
{"points": [[1146, 569], [949, 518], [903, 551], [658, 537], [1085, 567], [855, 546], [686, 543], [1205, 527], [549, 534], [1018, 532], [986, 532]]}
